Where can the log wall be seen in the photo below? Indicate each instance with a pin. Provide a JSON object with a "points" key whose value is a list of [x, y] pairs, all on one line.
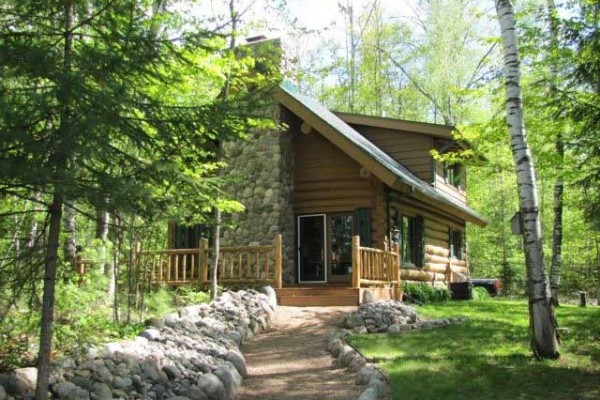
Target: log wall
{"points": [[409, 149], [437, 264], [326, 179]]}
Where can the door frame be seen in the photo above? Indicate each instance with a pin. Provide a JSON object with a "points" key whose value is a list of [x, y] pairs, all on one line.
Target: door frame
{"points": [[325, 255], [337, 278]]}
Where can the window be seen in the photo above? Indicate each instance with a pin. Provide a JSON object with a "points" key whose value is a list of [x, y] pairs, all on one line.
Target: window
{"points": [[453, 174], [457, 244], [412, 240]]}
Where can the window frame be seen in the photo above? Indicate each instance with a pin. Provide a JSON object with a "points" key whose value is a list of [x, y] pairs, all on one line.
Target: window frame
{"points": [[453, 175], [456, 238]]}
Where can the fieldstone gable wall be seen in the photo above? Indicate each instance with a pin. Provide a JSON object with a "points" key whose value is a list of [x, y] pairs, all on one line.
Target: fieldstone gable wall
{"points": [[261, 168]]}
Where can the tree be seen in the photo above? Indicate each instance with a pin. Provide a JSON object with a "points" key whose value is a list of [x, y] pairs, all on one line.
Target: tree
{"points": [[544, 342], [140, 114]]}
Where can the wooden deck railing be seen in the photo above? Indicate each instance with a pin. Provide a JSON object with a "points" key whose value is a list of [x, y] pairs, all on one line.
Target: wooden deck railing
{"points": [[375, 267], [237, 265]]}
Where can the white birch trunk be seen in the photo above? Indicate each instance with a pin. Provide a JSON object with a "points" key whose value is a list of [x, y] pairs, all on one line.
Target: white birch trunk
{"points": [[544, 341]]}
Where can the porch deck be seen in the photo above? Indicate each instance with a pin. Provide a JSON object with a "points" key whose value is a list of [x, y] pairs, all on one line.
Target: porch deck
{"points": [[332, 294], [374, 271]]}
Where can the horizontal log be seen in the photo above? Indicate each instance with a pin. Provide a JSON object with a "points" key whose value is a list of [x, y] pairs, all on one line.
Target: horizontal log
{"points": [[167, 252], [436, 250], [437, 243], [460, 263], [432, 258], [441, 268], [460, 270], [412, 209], [443, 236], [374, 282], [245, 281], [436, 226], [421, 275], [241, 249]]}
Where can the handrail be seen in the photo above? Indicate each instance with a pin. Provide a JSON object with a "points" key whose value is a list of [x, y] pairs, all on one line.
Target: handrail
{"points": [[237, 264], [375, 266]]}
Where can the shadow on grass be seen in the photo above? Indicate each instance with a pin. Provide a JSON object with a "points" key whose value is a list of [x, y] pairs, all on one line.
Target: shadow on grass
{"points": [[489, 356]]}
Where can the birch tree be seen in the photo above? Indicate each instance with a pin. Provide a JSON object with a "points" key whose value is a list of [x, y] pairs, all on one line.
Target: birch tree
{"points": [[544, 337]]}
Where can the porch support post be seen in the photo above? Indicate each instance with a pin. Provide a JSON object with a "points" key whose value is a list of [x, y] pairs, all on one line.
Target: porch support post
{"points": [[396, 273], [278, 261], [203, 260], [356, 261]]}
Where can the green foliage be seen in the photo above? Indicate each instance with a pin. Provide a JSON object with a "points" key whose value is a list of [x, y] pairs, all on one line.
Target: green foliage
{"points": [[475, 360], [423, 293], [189, 295], [480, 293]]}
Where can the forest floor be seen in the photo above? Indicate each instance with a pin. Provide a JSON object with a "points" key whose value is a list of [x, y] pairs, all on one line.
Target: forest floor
{"points": [[291, 362], [489, 356]]}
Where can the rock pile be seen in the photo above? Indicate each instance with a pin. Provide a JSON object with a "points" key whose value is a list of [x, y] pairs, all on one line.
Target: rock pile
{"points": [[380, 316], [192, 355]]}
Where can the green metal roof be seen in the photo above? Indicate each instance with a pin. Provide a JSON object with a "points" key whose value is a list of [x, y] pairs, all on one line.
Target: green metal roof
{"points": [[370, 149]]}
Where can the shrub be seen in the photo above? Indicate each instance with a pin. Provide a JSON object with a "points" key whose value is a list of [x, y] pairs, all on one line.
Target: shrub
{"points": [[424, 293], [480, 293]]}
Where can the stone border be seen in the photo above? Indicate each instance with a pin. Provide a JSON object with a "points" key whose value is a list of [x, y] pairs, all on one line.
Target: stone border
{"points": [[346, 356], [192, 355]]}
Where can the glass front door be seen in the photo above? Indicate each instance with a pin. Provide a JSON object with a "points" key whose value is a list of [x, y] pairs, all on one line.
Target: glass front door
{"points": [[312, 263], [340, 233]]}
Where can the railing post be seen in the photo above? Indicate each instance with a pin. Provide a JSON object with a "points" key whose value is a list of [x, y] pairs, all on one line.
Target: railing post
{"points": [[356, 261], [203, 260], [398, 284], [278, 261], [449, 271]]}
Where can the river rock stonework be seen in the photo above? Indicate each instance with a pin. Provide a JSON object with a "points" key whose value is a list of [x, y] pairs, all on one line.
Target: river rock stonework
{"points": [[192, 355], [262, 174]]}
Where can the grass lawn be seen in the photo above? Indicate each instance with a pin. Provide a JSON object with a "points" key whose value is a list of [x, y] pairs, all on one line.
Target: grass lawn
{"points": [[489, 356]]}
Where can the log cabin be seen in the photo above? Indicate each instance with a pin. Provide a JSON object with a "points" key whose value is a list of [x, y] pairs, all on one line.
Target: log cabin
{"points": [[337, 186]]}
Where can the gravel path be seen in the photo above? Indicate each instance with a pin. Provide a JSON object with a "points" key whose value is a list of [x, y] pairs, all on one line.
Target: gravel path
{"points": [[290, 361]]}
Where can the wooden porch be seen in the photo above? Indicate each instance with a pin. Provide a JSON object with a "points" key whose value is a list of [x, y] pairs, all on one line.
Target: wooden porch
{"points": [[375, 270]]}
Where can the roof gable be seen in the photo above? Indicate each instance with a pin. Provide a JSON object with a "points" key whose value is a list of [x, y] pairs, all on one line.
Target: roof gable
{"points": [[388, 170]]}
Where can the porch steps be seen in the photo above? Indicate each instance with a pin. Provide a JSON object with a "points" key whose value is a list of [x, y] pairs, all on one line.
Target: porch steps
{"points": [[317, 296]]}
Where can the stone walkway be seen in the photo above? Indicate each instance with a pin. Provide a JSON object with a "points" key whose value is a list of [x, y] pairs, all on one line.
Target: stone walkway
{"points": [[291, 362]]}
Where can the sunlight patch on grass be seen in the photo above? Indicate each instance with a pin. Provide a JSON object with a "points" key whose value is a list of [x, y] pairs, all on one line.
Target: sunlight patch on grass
{"points": [[489, 356]]}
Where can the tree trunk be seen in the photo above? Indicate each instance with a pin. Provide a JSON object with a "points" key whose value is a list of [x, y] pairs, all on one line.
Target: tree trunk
{"points": [[544, 341], [70, 243], [102, 221], [55, 211], [557, 230], [216, 249]]}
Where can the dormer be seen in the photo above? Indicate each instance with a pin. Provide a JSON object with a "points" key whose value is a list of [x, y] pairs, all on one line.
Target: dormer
{"points": [[411, 144]]}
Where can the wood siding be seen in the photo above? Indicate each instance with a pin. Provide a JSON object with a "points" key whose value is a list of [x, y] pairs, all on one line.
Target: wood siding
{"points": [[459, 193], [409, 149], [326, 179], [436, 261]]}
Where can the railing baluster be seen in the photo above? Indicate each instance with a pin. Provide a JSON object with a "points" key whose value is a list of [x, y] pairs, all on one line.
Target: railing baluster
{"points": [[193, 261], [239, 269], [266, 265], [184, 266], [257, 264]]}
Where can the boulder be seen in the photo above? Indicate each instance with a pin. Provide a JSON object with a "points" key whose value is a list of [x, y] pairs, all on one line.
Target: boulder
{"points": [[102, 391], [13, 386], [172, 372], [195, 393], [2, 393], [232, 380], [368, 394], [62, 389], [212, 387], [238, 361]]}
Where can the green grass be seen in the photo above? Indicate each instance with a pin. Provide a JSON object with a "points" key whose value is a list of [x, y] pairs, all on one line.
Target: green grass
{"points": [[489, 357]]}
